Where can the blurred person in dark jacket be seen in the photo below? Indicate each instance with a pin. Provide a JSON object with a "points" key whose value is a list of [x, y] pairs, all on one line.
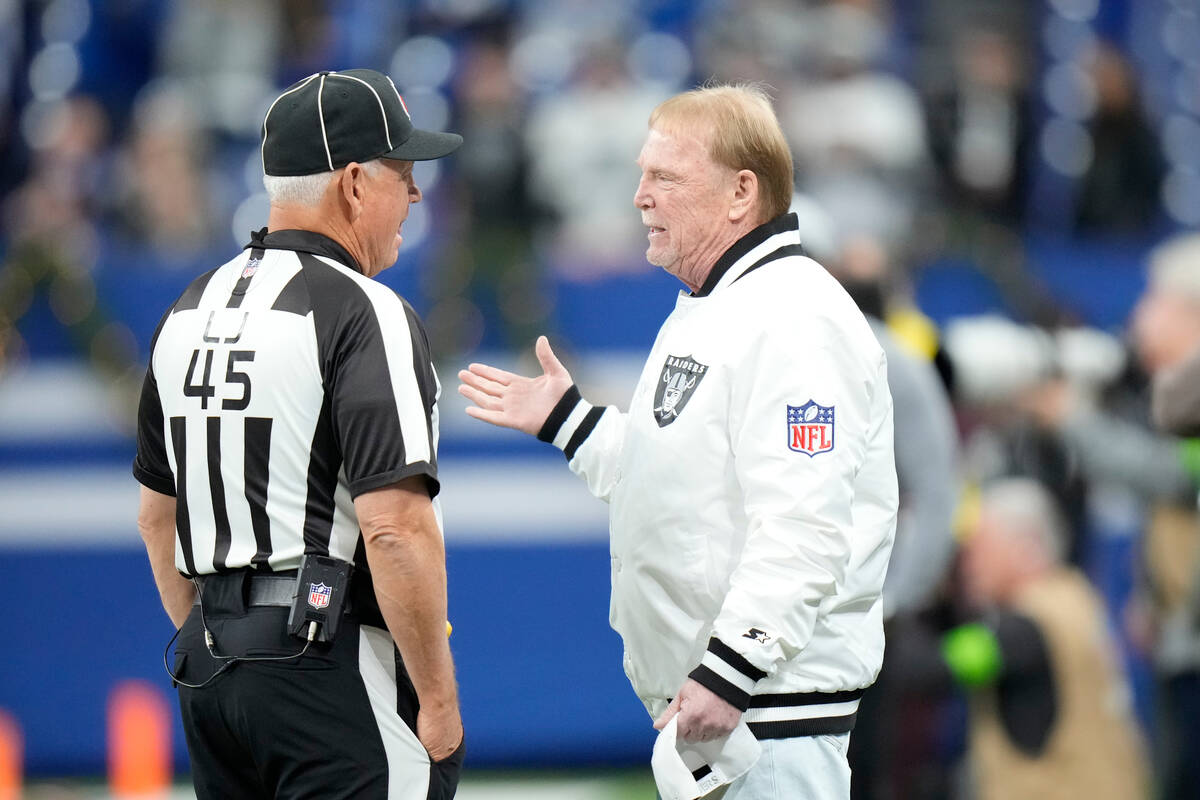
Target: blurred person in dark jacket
{"points": [[1119, 193], [926, 451], [980, 124], [1049, 713], [489, 261]]}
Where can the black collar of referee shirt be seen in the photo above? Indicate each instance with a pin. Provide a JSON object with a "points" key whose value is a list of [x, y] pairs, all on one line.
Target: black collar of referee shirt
{"points": [[318, 244], [780, 224]]}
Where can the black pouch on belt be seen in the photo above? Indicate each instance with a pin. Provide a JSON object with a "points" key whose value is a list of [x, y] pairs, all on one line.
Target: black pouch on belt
{"points": [[322, 588], [226, 596]]}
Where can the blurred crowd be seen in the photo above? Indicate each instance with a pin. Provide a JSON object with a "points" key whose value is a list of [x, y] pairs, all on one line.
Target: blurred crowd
{"points": [[926, 134]]}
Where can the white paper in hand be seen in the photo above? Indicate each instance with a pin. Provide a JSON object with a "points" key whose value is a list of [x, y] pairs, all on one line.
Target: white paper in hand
{"points": [[687, 770]]}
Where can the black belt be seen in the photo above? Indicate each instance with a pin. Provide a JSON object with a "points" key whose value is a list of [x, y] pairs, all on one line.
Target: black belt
{"points": [[277, 589], [265, 590]]}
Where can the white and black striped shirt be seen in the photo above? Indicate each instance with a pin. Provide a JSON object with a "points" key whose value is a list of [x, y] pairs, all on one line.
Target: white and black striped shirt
{"points": [[282, 385]]}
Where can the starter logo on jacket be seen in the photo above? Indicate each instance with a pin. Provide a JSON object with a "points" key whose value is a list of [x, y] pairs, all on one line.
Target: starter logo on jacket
{"points": [[680, 377], [810, 428]]}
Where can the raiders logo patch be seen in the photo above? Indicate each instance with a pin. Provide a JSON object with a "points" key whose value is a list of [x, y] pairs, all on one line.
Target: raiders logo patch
{"points": [[810, 428], [676, 385]]}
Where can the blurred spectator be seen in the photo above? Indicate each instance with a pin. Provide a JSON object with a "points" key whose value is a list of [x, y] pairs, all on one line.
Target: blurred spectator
{"points": [[926, 447], [926, 441], [1166, 320], [12, 46], [1177, 372], [225, 53], [995, 362], [858, 134], [1166, 329], [52, 239], [1119, 193], [980, 125], [1050, 715], [59, 195], [1114, 446], [758, 44], [163, 199], [976, 73], [489, 260], [1177, 399], [1111, 447], [579, 143]]}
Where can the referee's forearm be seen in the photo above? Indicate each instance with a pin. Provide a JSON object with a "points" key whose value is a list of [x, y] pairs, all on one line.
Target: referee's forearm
{"points": [[408, 568], [409, 573], [156, 523]]}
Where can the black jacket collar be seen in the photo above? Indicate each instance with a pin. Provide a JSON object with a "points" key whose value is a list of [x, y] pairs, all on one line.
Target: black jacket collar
{"points": [[781, 224], [317, 244]]}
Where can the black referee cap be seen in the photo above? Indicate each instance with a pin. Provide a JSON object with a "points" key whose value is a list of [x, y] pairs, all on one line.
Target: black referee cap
{"points": [[329, 119]]}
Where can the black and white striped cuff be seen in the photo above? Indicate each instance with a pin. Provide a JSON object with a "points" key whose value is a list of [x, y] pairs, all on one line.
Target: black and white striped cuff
{"points": [[785, 716], [727, 674], [570, 422]]}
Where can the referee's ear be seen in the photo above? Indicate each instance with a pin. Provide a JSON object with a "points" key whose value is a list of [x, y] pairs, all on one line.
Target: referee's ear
{"points": [[352, 190]]}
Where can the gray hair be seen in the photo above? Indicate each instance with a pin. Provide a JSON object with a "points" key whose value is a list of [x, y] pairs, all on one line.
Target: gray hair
{"points": [[1025, 507], [305, 190], [1175, 266]]}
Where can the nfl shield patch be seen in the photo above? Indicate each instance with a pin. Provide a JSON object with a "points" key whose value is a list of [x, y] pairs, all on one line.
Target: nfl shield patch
{"points": [[318, 595], [810, 428], [676, 385], [251, 267]]}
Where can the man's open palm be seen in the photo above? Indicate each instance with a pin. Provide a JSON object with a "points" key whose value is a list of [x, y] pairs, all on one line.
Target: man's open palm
{"points": [[514, 401]]}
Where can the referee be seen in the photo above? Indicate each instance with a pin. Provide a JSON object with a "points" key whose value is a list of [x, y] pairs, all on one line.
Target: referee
{"points": [[287, 439]]}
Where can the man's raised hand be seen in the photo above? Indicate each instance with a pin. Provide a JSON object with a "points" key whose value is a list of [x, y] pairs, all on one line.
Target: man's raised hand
{"points": [[514, 401]]}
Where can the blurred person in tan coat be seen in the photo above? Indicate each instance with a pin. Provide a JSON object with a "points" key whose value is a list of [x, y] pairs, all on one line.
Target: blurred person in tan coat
{"points": [[1163, 471], [1050, 714], [1166, 332]]}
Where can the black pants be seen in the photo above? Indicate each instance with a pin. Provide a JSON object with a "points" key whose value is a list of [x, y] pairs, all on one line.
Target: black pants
{"points": [[340, 722], [1178, 736]]}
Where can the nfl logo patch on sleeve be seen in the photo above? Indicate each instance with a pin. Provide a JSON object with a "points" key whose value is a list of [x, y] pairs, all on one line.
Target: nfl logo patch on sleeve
{"points": [[810, 428]]}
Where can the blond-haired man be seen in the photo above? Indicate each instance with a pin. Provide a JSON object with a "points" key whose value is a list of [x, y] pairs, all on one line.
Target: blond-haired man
{"points": [[751, 483]]}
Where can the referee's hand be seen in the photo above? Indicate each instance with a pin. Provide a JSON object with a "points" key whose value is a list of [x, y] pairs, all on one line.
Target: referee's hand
{"points": [[440, 730], [514, 401]]}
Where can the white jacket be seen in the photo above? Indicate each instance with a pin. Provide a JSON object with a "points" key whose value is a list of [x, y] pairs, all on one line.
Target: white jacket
{"points": [[753, 493]]}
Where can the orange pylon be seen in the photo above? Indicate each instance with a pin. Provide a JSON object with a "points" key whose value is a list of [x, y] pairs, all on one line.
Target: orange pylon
{"points": [[139, 741], [11, 753]]}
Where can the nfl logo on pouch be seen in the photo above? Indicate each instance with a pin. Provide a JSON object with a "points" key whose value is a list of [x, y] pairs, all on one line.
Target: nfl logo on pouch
{"points": [[318, 595]]}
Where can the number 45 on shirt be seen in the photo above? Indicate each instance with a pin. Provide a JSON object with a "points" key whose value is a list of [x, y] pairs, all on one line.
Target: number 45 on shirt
{"points": [[204, 388]]}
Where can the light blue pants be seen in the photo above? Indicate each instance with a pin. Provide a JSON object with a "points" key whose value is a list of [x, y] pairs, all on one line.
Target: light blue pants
{"points": [[804, 768]]}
